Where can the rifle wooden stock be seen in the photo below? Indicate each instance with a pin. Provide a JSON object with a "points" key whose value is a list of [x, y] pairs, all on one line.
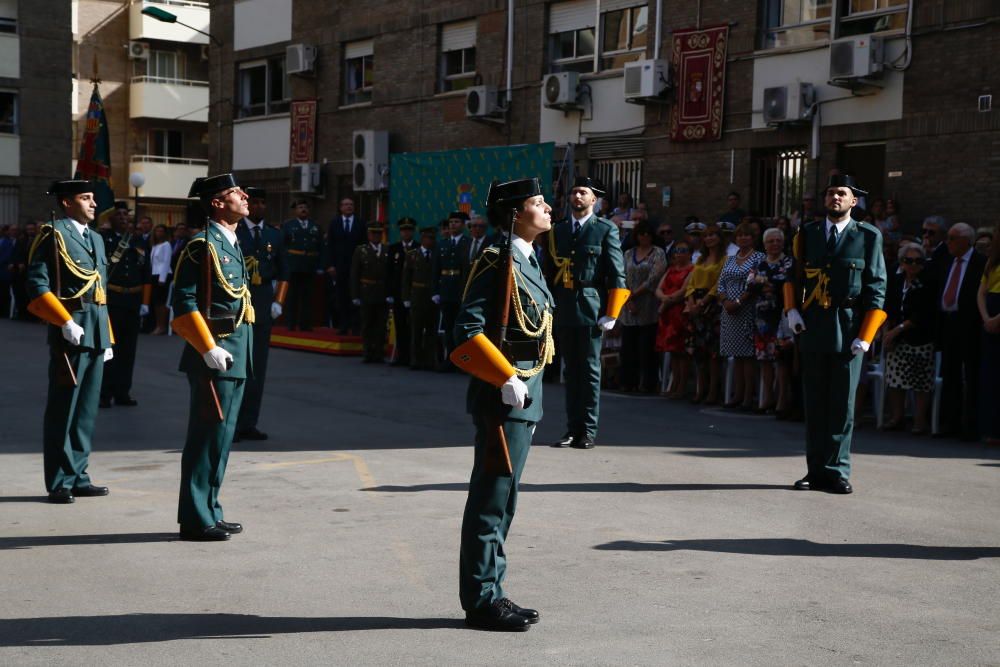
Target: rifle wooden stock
{"points": [[66, 375], [497, 454]]}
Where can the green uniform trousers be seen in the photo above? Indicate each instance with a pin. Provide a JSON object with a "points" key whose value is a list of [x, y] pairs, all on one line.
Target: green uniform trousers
{"points": [[70, 413], [489, 511], [580, 348], [118, 372], [829, 383], [423, 335], [373, 318], [206, 451], [253, 393]]}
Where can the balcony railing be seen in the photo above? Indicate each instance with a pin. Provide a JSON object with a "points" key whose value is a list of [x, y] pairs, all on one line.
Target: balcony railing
{"points": [[167, 177], [164, 159]]}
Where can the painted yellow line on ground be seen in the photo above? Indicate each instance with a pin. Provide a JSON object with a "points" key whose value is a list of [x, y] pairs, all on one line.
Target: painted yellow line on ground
{"points": [[360, 467], [289, 464]]}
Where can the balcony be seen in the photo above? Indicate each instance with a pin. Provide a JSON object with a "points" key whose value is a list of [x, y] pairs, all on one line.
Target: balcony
{"points": [[261, 143], [167, 177], [169, 99], [10, 155], [195, 14], [10, 56]]}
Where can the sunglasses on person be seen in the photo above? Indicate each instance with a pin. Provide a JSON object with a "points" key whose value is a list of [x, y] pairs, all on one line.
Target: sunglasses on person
{"points": [[919, 261]]}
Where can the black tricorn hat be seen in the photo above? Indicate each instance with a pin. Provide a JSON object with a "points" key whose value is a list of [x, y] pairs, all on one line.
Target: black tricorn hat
{"points": [[255, 193], [407, 223], [375, 227], [846, 181], [512, 191], [210, 185], [460, 215], [73, 187], [432, 230], [588, 182]]}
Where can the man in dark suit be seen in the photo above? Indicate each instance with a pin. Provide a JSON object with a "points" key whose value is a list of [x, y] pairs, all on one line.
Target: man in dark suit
{"points": [[934, 231], [961, 325], [400, 314], [346, 232], [478, 240]]}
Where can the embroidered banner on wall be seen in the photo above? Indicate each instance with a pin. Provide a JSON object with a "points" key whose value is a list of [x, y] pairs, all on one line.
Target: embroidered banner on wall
{"points": [[699, 61], [303, 144]]}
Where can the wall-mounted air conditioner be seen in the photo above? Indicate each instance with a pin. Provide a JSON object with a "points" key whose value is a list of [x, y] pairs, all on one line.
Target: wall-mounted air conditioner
{"points": [[789, 104], [481, 101], [370, 155], [138, 51], [856, 60], [300, 59], [646, 79], [561, 90], [305, 177]]}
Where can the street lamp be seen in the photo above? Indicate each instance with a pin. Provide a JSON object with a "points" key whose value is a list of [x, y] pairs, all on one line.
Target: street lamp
{"points": [[136, 180], [166, 17]]}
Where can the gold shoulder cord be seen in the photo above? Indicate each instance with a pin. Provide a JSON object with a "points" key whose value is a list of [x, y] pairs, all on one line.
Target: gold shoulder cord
{"points": [[476, 271], [247, 313], [563, 274], [543, 330], [90, 277]]}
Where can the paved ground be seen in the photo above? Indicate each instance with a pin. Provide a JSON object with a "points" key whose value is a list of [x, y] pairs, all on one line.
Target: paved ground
{"points": [[676, 541]]}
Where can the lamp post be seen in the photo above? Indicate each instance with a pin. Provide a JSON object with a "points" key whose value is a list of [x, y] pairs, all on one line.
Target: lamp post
{"points": [[136, 180]]}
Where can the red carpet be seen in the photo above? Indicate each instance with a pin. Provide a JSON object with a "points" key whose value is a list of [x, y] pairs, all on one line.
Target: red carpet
{"points": [[321, 340]]}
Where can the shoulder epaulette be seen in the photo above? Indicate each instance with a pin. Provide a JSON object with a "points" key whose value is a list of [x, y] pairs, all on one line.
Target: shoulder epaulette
{"points": [[868, 227]]}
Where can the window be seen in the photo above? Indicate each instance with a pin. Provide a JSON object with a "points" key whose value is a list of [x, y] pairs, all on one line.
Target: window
{"points": [[8, 17], [794, 22], [458, 56], [359, 70], [779, 181], [618, 176], [8, 25], [165, 143], [573, 40], [623, 36], [164, 65], [8, 112], [263, 88], [860, 17]]}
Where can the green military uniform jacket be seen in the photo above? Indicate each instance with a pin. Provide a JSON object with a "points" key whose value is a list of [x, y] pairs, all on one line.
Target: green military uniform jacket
{"points": [[451, 270], [480, 314], [369, 274], [839, 288], [230, 301], [418, 276], [129, 269], [303, 245], [583, 269], [266, 260], [83, 274]]}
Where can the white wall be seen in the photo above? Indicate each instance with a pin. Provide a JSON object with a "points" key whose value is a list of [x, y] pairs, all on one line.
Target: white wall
{"points": [[168, 100], [611, 113], [261, 144], [168, 180], [144, 27], [814, 67], [10, 155], [260, 22], [10, 56]]}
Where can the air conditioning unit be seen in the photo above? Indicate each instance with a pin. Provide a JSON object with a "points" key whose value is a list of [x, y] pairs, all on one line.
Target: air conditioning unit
{"points": [[646, 78], [560, 90], [300, 59], [305, 177], [481, 101], [789, 104], [138, 51], [854, 58], [370, 155]]}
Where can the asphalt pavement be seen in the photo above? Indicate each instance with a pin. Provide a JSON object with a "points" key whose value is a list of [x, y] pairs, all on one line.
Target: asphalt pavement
{"points": [[677, 541]]}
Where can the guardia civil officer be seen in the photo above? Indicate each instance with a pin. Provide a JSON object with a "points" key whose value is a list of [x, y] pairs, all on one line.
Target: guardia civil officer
{"points": [[400, 314], [841, 289], [450, 277], [66, 284], [504, 397], [370, 293], [214, 313], [304, 246], [263, 250], [588, 270], [130, 290], [417, 290]]}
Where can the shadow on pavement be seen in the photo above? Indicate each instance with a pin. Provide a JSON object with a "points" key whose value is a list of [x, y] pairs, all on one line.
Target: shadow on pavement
{"points": [[145, 628], [794, 547], [602, 487], [27, 542], [24, 499]]}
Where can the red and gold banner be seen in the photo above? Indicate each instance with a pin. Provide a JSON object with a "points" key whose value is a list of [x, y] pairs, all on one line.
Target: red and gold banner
{"points": [[303, 144], [699, 61]]}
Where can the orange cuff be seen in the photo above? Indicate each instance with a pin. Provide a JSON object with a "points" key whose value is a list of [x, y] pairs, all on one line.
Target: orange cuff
{"points": [[147, 294], [617, 296], [788, 293], [47, 307], [869, 327], [480, 358], [193, 328], [281, 291]]}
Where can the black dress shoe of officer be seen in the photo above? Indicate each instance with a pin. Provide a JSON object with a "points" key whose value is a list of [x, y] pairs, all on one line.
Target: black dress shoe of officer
{"points": [[104, 402], [565, 441], [496, 618], [127, 401], [252, 434], [583, 442], [229, 527], [90, 491], [530, 614], [803, 484], [210, 534], [61, 496], [841, 486]]}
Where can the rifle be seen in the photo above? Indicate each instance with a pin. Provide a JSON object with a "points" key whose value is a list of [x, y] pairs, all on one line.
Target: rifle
{"points": [[212, 411], [65, 376]]}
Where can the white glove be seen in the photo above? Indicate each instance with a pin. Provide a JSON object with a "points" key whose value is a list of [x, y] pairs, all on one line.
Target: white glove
{"points": [[275, 310], [795, 322], [389, 300], [217, 359], [607, 323], [407, 304], [72, 332], [436, 299], [859, 346], [513, 392], [143, 310], [356, 302], [109, 354]]}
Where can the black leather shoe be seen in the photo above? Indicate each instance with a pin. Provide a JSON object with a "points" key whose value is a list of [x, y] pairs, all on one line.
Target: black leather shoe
{"points": [[496, 618], [841, 486], [61, 497], [565, 441], [530, 614], [104, 403], [90, 491], [229, 527], [583, 442], [127, 401], [803, 484], [210, 534], [252, 434]]}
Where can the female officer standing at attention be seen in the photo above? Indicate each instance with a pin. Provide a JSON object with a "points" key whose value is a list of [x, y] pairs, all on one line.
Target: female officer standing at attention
{"points": [[505, 392]]}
